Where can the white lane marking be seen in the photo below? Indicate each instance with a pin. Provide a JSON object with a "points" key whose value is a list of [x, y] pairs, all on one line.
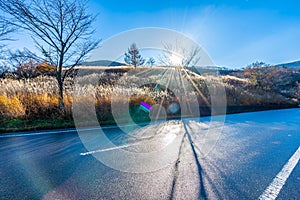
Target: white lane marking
{"points": [[274, 188], [113, 148], [108, 149], [168, 137]]}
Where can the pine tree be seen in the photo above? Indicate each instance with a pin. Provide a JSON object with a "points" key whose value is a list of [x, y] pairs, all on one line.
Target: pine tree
{"points": [[133, 57]]}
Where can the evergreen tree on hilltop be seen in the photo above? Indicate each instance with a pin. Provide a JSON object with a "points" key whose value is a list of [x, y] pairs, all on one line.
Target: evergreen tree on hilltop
{"points": [[133, 57]]}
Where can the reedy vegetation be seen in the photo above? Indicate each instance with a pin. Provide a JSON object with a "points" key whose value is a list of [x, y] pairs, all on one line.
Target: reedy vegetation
{"points": [[38, 98]]}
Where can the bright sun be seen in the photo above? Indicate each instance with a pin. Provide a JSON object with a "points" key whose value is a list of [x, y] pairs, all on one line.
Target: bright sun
{"points": [[175, 59]]}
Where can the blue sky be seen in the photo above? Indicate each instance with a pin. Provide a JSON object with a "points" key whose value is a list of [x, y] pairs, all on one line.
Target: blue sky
{"points": [[234, 33]]}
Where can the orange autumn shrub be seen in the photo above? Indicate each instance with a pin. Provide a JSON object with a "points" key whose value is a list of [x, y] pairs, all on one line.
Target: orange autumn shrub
{"points": [[11, 107]]}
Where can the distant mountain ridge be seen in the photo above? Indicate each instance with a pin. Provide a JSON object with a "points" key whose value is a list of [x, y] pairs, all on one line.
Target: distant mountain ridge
{"points": [[103, 63], [294, 64], [290, 64]]}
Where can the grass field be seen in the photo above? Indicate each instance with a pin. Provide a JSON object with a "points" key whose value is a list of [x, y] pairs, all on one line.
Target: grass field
{"points": [[33, 103]]}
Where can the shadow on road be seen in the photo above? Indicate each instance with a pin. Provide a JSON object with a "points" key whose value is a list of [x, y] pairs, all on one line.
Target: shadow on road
{"points": [[202, 192]]}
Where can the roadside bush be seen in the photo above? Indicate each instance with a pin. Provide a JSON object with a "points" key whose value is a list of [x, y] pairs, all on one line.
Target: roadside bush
{"points": [[11, 107], [40, 105]]}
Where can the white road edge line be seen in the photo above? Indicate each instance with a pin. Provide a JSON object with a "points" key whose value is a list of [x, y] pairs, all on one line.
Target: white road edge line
{"points": [[44, 132], [7, 135], [275, 187]]}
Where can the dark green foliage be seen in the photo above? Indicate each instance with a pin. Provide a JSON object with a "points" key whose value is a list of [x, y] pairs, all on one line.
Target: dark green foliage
{"points": [[133, 57]]}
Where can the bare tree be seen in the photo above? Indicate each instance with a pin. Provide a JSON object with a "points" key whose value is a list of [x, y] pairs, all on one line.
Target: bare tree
{"points": [[5, 30], [61, 29], [151, 61], [133, 57], [24, 63]]}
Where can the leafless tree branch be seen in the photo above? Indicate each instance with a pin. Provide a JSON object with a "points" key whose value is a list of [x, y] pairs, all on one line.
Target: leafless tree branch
{"points": [[62, 31]]}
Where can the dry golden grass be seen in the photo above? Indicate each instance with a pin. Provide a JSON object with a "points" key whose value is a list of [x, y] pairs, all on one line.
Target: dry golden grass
{"points": [[11, 107], [32, 98], [37, 98]]}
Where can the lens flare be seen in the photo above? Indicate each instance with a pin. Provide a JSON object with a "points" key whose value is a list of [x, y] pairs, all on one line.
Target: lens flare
{"points": [[176, 92]]}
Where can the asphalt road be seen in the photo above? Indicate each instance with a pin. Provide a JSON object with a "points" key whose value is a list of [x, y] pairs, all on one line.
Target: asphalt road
{"points": [[253, 148]]}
